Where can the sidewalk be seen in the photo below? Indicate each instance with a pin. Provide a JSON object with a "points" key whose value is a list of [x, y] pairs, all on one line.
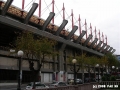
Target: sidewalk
{"points": [[10, 84], [7, 84]]}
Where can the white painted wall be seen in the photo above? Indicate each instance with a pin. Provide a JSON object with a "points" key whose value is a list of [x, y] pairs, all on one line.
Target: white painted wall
{"points": [[70, 76], [46, 77]]}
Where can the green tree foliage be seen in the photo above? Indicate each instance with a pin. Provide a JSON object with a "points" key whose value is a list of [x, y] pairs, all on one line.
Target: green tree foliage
{"points": [[93, 60], [112, 60], [35, 47], [103, 61], [81, 59]]}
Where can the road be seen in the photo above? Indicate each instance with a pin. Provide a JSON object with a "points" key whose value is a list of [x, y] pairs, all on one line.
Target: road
{"points": [[11, 87], [108, 89]]}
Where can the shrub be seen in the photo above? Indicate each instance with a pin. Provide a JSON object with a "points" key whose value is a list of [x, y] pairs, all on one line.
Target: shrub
{"points": [[104, 78], [113, 78]]}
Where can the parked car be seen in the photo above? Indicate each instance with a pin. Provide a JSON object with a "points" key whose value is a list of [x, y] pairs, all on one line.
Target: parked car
{"points": [[70, 81], [98, 76], [38, 85], [78, 81], [88, 80], [57, 84], [93, 80]]}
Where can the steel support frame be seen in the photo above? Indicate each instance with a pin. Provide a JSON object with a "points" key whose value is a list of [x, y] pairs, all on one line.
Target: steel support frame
{"points": [[80, 36], [93, 43], [30, 13], [21, 26], [87, 40], [72, 32], [5, 8], [64, 23]]}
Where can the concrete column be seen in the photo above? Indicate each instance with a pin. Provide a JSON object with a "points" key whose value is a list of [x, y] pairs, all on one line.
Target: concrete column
{"points": [[66, 76], [65, 73], [61, 66]]}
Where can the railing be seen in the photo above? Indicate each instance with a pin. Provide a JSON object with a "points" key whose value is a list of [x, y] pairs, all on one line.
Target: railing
{"points": [[110, 84], [86, 86]]}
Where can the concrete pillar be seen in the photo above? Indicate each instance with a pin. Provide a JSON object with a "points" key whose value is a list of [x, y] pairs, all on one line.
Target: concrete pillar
{"points": [[66, 76], [61, 66], [40, 76]]}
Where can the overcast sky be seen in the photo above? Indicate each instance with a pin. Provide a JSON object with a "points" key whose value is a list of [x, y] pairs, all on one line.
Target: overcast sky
{"points": [[102, 14]]}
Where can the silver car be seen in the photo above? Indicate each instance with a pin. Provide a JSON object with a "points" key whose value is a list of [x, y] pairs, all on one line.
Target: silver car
{"points": [[57, 84], [38, 85]]}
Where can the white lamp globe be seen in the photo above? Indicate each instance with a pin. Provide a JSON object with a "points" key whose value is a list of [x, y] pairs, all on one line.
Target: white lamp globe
{"points": [[97, 65], [113, 67], [74, 61], [20, 53]]}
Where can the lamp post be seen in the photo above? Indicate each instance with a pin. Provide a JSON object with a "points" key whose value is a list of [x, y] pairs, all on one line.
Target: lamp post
{"points": [[117, 68], [20, 54], [74, 62], [97, 65], [113, 67]]}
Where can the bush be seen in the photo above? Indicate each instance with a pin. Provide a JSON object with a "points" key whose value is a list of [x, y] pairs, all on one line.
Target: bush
{"points": [[117, 77], [113, 78], [104, 78]]}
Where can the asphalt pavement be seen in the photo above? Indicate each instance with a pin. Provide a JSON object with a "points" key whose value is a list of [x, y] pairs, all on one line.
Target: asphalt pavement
{"points": [[11, 86]]}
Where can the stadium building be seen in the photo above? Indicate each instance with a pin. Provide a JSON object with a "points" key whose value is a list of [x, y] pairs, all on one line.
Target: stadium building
{"points": [[14, 19]]}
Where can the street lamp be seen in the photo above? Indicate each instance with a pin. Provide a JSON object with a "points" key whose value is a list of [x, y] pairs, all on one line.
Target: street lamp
{"points": [[20, 54], [97, 65], [117, 68], [74, 62], [113, 67]]}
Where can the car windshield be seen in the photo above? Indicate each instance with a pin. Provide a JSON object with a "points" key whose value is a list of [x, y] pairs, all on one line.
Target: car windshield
{"points": [[78, 80], [42, 85], [62, 84], [36, 83], [30, 84]]}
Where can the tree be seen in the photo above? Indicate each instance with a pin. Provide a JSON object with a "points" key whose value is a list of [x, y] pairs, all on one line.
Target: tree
{"points": [[112, 60], [35, 48], [80, 62], [91, 61]]}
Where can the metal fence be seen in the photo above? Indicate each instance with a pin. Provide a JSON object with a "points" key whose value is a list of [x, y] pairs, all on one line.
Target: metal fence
{"points": [[110, 84]]}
